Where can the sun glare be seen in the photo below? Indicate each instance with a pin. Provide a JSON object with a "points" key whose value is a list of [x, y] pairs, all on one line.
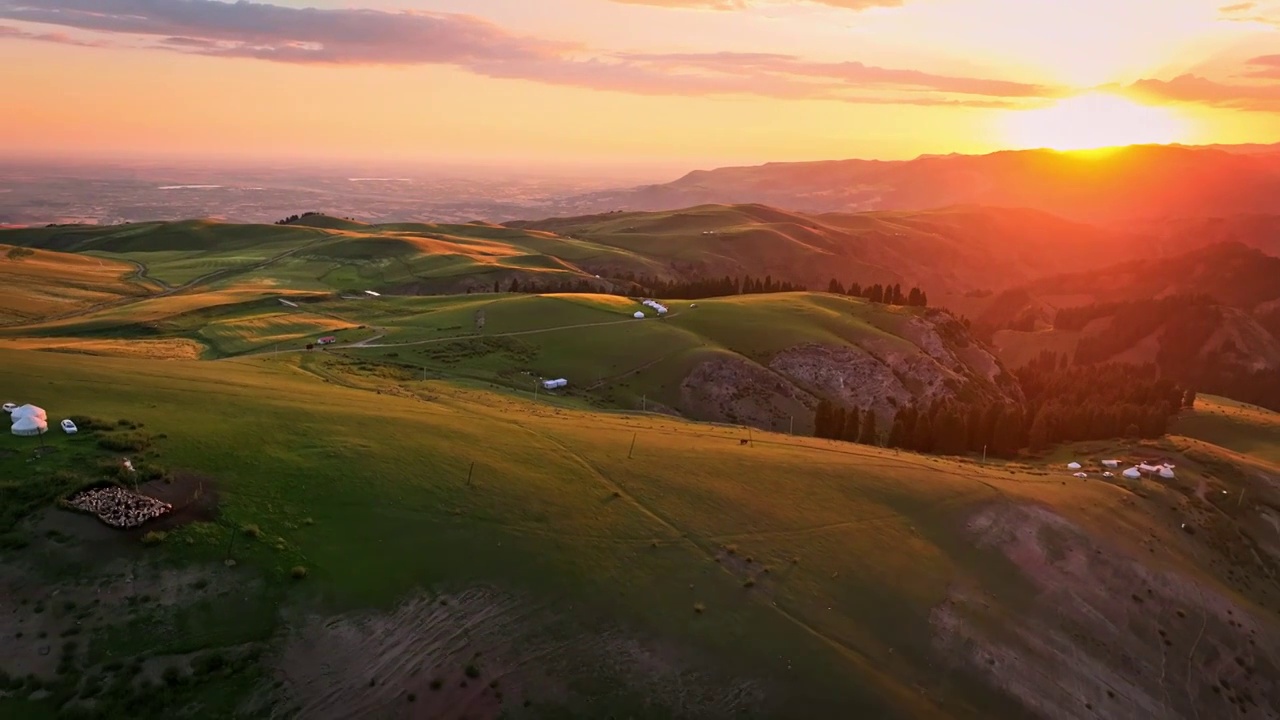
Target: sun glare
{"points": [[1096, 120]]}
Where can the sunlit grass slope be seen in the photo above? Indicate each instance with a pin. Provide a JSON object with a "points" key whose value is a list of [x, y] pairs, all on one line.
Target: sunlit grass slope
{"points": [[830, 555], [39, 283]]}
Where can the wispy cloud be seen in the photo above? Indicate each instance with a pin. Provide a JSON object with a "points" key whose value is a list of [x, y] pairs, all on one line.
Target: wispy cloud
{"points": [[8, 31], [1264, 66], [745, 4], [1191, 88], [359, 36], [1253, 12]]}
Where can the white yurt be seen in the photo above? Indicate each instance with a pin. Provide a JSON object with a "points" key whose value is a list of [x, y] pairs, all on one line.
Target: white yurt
{"points": [[1132, 473], [29, 411], [1111, 463], [639, 315], [1073, 466], [27, 426], [1166, 472]]}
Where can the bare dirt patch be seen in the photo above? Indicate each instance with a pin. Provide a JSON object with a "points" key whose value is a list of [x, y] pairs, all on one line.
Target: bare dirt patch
{"points": [[194, 498], [475, 654], [1103, 635]]}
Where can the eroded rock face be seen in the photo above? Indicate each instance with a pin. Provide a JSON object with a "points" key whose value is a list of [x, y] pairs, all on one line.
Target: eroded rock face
{"points": [[1102, 634], [734, 389], [932, 358]]}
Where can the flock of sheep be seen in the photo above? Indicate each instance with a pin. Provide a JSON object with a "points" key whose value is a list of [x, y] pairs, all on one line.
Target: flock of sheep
{"points": [[118, 507]]}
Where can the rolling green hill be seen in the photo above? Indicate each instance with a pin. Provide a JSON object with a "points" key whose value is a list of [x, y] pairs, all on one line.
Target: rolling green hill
{"points": [[468, 551], [763, 360], [950, 250]]}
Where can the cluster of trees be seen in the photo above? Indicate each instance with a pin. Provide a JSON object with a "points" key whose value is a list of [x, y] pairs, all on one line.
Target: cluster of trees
{"points": [[1064, 403], [629, 284], [887, 294], [296, 218], [1067, 403], [835, 422]]}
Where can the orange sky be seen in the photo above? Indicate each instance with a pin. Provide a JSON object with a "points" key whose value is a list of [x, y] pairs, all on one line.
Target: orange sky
{"points": [[629, 82]]}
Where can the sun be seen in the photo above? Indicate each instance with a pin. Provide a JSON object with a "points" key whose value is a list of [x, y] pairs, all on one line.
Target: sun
{"points": [[1095, 120]]}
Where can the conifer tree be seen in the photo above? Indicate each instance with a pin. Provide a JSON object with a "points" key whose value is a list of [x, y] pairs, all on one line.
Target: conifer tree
{"points": [[851, 426], [867, 434]]}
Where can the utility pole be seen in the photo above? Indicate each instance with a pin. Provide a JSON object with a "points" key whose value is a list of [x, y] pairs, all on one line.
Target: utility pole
{"points": [[473, 469], [644, 403], [791, 430], [633, 445], [984, 454]]}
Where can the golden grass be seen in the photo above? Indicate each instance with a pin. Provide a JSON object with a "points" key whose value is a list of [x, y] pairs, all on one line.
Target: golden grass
{"points": [[166, 349]]}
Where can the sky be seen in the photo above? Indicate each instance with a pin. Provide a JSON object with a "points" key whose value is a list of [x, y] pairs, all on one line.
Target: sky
{"points": [[642, 84]]}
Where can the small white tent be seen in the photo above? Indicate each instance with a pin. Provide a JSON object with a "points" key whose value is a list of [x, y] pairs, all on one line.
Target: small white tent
{"points": [[1132, 473], [1166, 472], [30, 411], [29, 426], [639, 315], [1073, 466]]}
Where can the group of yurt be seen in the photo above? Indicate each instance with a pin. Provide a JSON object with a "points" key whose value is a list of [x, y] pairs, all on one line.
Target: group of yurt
{"points": [[32, 420], [657, 306]]}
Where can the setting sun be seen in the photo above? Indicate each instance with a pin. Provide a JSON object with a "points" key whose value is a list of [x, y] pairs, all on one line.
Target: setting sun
{"points": [[1096, 120]]}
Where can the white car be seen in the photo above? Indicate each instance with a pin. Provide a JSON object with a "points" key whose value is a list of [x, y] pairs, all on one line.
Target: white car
{"points": [[10, 407], [1108, 474], [69, 427]]}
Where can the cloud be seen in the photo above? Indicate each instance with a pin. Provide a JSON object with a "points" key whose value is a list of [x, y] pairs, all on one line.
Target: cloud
{"points": [[375, 37], [1191, 88], [7, 31], [1252, 12], [1265, 66], [744, 4], [849, 72]]}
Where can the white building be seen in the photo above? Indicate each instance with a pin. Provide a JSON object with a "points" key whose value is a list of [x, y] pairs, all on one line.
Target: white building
{"points": [[29, 426], [639, 315], [32, 411]]}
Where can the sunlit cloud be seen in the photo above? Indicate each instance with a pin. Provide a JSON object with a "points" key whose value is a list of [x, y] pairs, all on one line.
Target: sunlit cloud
{"points": [[375, 37], [746, 4], [1191, 88]]}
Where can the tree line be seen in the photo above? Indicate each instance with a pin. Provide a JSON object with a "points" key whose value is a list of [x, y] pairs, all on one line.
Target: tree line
{"points": [[629, 284], [886, 294], [1064, 403]]}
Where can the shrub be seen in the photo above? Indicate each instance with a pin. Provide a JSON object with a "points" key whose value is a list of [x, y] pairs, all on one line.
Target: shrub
{"points": [[436, 684], [155, 537], [252, 531], [699, 608], [749, 582], [471, 671], [298, 572], [412, 697], [171, 676], [125, 442]]}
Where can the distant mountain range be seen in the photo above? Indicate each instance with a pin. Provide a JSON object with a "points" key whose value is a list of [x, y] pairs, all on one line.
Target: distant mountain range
{"points": [[1125, 184]]}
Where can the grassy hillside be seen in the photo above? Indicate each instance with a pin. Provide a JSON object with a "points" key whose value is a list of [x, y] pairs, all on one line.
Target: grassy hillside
{"points": [[1239, 427], [40, 283], [952, 249], [955, 249], [1209, 317], [711, 359], [668, 565]]}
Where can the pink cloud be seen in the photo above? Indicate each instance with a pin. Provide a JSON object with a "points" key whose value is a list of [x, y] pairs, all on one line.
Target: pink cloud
{"points": [[1190, 88], [375, 37], [744, 4]]}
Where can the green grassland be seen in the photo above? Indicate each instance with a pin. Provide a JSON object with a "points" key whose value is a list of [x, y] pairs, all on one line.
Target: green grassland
{"points": [[1246, 429], [831, 555]]}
